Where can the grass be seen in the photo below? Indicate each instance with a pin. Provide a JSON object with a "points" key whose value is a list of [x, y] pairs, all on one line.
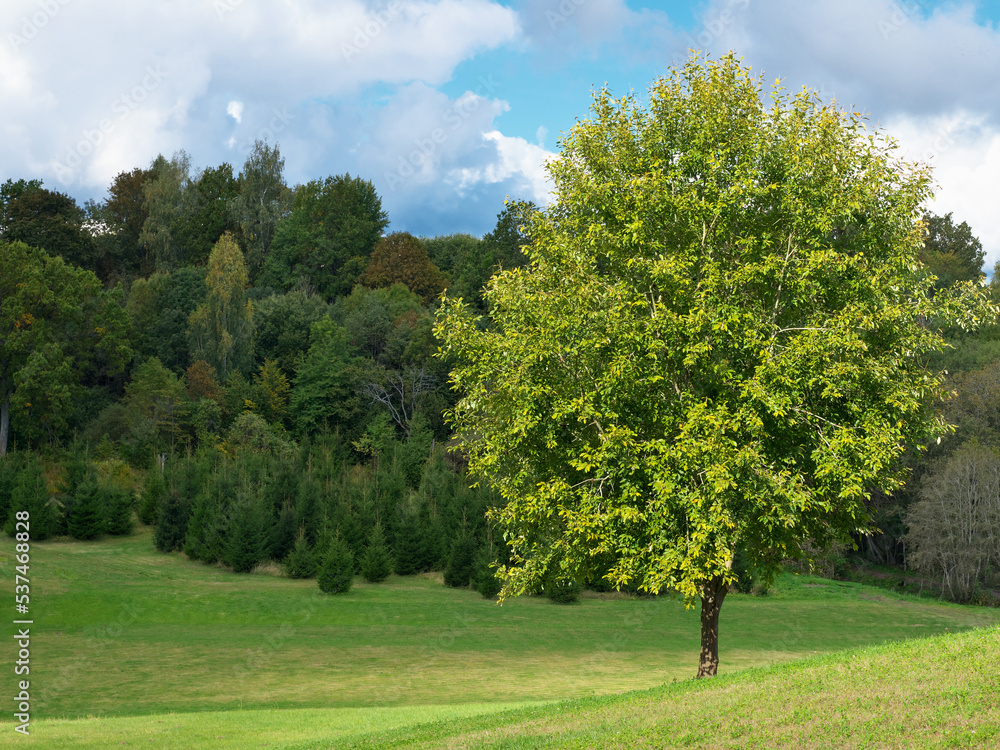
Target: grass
{"points": [[140, 642], [942, 692]]}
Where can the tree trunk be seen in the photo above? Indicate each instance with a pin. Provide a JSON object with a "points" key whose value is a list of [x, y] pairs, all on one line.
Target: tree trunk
{"points": [[712, 594]]}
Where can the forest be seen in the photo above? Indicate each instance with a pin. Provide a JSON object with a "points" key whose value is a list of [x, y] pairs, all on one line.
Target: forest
{"points": [[251, 369]]}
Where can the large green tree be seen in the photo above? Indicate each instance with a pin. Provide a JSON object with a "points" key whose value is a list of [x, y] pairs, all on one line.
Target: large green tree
{"points": [[54, 320], [716, 346], [326, 241], [52, 221], [951, 252], [262, 201]]}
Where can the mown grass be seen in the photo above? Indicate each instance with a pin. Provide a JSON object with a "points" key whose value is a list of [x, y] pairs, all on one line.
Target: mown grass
{"points": [[123, 631], [941, 692]]}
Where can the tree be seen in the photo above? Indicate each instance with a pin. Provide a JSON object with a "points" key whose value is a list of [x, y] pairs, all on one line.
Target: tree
{"points": [[261, 202], [326, 240], [376, 562], [9, 192], [954, 528], [86, 519], [156, 401], [171, 522], [951, 252], [213, 191], [28, 492], [160, 307], [53, 222], [325, 389], [461, 562], [118, 507], [123, 216], [717, 344], [401, 258], [170, 200], [54, 321], [281, 327], [336, 574], [301, 561], [222, 327], [246, 541]]}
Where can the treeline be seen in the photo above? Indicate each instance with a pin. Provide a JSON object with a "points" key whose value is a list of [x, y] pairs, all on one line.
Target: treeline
{"points": [[250, 367], [247, 366]]}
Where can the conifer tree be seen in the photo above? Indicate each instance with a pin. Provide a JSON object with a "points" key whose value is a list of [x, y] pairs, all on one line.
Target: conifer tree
{"points": [[301, 561], [245, 545], [152, 495], [283, 533], [171, 523], [118, 506], [30, 493], [206, 529], [409, 547], [484, 575], [460, 561], [376, 563], [85, 517], [337, 572]]}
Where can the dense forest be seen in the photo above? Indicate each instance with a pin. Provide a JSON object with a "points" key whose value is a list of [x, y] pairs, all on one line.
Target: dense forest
{"points": [[250, 368]]}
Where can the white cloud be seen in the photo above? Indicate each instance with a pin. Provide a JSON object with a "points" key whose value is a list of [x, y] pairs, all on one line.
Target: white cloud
{"points": [[964, 150], [519, 161], [235, 110], [63, 81], [434, 159]]}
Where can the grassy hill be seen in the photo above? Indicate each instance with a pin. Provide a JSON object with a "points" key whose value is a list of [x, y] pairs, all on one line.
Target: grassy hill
{"points": [[161, 651], [940, 692]]}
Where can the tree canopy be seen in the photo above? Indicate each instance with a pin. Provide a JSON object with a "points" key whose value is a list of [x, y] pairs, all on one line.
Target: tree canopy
{"points": [[715, 347], [54, 320]]}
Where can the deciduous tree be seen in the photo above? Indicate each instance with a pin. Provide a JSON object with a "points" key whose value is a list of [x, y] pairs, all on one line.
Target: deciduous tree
{"points": [[54, 319], [222, 327], [400, 258], [717, 343]]}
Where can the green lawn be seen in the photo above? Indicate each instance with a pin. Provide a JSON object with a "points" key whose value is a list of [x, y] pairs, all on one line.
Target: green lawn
{"points": [[123, 631], [942, 692]]}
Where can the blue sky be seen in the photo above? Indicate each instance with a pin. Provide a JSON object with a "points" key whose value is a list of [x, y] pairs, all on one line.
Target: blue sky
{"points": [[448, 106]]}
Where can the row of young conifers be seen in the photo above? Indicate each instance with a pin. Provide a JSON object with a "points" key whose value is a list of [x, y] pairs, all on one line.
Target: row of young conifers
{"points": [[312, 512]]}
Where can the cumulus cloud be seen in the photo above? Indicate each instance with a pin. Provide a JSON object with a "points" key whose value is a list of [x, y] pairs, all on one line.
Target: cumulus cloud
{"points": [[81, 123], [964, 150], [235, 110], [435, 160]]}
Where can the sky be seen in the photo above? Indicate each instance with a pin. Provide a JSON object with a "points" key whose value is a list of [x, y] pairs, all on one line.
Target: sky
{"points": [[449, 106]]}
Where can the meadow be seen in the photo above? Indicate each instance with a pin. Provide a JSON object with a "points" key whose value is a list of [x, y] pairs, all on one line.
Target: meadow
{"points": [[131, 647]]}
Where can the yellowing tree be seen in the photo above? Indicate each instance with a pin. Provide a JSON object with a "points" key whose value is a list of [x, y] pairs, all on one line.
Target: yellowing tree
{"points": [[221, 329], [716, 344]]}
